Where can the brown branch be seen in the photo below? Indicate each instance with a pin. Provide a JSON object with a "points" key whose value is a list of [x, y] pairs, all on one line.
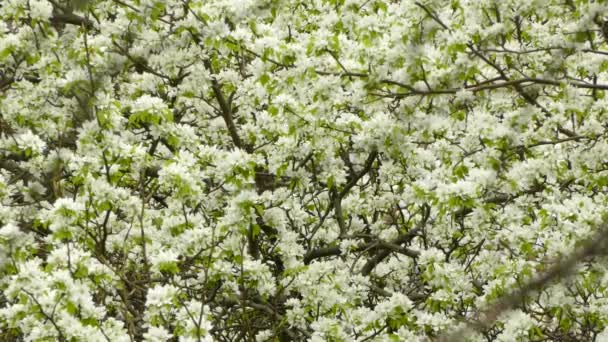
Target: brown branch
{"points": [[140, 63], [72, 19], [368, 246], [51, 317], [500, 199], [383, 253], [596, 52], [402, 239], [337, 197], [368, 166], [5, 82], [511, 83], [18, 171], [562, 267], [226, 110], [432, 15], [342, 74]]}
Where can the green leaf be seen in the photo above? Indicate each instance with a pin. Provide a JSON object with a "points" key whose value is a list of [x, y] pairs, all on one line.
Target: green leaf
{"points": [[173, 141], [273, 110], [259, 209], [71, 308], [255, 230], [90, 321], [461, 171], [330, 182], [169, 267], [264, 79], [494, 163], [5, 53], [62, 234], [81, 272], [459, 115]]}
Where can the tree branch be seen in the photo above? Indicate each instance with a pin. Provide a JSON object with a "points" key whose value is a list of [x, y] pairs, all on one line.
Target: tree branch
{"points": [[336, 250], [226, 110], [562, 267], [72, 19], [404, 238]]}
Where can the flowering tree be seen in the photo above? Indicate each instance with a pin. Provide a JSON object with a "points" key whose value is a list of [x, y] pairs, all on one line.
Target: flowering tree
{"points": [[326, 170]]}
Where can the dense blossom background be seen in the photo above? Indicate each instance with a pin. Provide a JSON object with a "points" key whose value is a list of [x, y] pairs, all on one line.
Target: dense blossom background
{"points": [[323, 170]]}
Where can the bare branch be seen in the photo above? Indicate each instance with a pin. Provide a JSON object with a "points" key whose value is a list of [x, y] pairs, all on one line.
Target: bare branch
{"points": [[561, 268], [72, 19]]}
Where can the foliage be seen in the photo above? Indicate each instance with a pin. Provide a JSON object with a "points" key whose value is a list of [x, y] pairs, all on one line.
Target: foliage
{"points": [[325, 170]]}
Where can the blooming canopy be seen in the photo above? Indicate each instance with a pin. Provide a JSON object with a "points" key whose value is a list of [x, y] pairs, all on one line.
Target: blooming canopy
{"points": [[323, 170]]}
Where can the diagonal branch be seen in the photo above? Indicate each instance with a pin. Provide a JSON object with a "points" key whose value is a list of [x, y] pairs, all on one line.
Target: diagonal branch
{"points": [[49, 317], [337, 197], [226, 109], [368, 166], [432, 15], [562, 267], [402, 239]]}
